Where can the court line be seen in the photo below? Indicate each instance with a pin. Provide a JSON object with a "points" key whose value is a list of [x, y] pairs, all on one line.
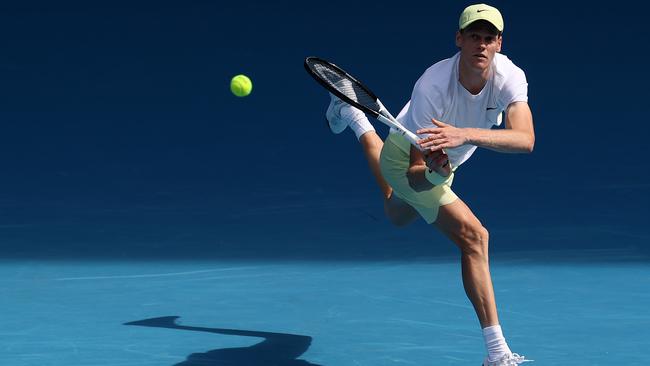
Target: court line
{"points": [[152, 275]]}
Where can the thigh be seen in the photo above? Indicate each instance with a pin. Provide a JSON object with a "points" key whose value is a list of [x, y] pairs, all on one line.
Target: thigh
{"points": [[399, 212], [394, 162], [455, 218]]}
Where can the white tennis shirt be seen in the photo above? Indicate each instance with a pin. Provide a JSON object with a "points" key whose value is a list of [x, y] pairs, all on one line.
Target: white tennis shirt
{"points": [[439, 94]]}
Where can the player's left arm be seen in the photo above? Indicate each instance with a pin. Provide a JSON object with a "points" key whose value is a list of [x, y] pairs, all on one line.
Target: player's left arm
{"points": [[517, 137]]}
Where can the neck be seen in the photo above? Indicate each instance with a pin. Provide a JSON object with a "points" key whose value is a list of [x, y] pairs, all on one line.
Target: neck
{"points": [[471, 78]]}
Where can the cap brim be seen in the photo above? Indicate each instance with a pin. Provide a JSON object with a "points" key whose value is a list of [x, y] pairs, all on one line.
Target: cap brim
{"points": [[467, 24]]}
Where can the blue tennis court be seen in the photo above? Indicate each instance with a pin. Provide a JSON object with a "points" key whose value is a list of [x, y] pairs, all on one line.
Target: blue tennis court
{"points": [[150, 217], [323, 313]]}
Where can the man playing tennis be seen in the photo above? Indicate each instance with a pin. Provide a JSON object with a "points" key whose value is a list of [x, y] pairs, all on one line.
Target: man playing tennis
{"points": [[453, 106]]}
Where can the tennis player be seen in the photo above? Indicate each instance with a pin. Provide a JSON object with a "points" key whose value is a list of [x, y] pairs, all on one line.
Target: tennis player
{"points": [[453, 106]]}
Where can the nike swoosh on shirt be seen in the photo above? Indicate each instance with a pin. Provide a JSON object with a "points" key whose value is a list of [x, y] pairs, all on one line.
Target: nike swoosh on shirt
{"points": [[490, 108]]}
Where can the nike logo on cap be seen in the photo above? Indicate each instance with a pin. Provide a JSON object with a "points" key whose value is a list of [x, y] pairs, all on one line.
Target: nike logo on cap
{"points": [[480, 10]]}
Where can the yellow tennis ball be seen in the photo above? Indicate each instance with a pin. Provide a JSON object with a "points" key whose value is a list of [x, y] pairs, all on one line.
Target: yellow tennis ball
{"points": [[241, 85]]}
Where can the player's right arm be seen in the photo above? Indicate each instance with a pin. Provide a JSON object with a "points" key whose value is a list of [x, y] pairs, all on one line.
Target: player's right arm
{"points": [[425, 104], [419, 165], [416, 171]]}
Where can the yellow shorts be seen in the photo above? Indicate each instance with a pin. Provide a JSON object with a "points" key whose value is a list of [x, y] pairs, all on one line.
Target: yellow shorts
{"points": [[394, 163]]}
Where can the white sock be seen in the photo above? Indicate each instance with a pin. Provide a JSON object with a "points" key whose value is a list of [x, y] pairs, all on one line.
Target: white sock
{"points": [[359, 123], [495, 343], [361, 127]]}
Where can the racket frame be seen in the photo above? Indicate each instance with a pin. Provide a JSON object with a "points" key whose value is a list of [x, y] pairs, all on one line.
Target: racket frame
{"points": [[382, 115]]}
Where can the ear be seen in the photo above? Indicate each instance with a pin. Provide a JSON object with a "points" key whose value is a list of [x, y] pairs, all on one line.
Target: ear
{"points": [[499, 40], [459, 38]]}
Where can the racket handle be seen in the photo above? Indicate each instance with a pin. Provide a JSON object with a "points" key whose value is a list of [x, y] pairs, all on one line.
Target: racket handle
{"points": [[413, 138]]}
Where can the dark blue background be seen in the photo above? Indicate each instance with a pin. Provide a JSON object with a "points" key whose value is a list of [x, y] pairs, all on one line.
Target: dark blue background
{"points": [[120, 138]]}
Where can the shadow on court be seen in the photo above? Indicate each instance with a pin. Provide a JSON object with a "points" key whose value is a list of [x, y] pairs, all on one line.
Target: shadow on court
{"points": [[276, 349]]}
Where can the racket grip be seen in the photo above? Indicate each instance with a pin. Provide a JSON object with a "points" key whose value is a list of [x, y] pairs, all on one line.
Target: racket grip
{"points": [[410, 136], [413, 138]]}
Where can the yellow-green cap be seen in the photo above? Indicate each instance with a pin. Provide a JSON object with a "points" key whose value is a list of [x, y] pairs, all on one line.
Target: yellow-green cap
{"points": [[476, 12]]}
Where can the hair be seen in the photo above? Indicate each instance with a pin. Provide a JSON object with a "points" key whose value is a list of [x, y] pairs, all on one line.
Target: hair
{"points": [[483, 25]]}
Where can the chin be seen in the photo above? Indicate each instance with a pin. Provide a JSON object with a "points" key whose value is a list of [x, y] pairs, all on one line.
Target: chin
{"points": [[481, 65], [477, 61]]}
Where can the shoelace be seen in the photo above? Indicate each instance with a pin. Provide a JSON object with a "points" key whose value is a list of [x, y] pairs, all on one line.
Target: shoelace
{"points": [[512, 360], [517, 359]]}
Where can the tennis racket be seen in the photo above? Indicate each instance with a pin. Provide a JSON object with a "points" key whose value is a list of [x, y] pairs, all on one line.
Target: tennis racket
{"points": [[353, 92]]}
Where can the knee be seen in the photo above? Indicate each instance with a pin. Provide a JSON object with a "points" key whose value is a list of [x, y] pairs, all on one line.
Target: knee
{"points": [[398, 219], [399, 213], [473, 239]]}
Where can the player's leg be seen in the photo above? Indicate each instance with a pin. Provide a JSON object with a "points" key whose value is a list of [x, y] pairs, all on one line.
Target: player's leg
{"points": [[372, 144], [398, 212], [340, 115], [459, 223]]}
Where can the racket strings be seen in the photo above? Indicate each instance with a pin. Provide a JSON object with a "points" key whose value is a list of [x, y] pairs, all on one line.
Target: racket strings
{"points": [[346, 86]]}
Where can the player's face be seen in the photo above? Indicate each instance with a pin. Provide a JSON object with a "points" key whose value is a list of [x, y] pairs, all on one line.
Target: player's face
{"points": [[478, 47]]}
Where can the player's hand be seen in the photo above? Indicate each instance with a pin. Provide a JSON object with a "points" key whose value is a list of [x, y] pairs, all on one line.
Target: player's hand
{"points": [[443, 137], [438, 161]]}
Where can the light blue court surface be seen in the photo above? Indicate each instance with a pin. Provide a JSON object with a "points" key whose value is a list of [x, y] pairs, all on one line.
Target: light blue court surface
{"points": [[320, 313], [136, 188]]}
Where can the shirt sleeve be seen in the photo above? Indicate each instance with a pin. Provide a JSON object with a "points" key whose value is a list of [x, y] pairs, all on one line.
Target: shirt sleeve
{"points": [[515, 88], [422, 107]]}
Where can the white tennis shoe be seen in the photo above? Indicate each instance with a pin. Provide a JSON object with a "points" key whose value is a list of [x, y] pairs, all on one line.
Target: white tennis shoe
{"points": [[340, 114], [511, 359]]}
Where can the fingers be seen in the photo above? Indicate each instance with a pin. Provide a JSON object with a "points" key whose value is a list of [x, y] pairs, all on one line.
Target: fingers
{"points": [[438, 137], [442, 160], [434, 142], [434, 138], [431, 130], [439, 162], [440, 165], [424, 131], [441, 146], [431, 155], [436, 159], [438, 123]]}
